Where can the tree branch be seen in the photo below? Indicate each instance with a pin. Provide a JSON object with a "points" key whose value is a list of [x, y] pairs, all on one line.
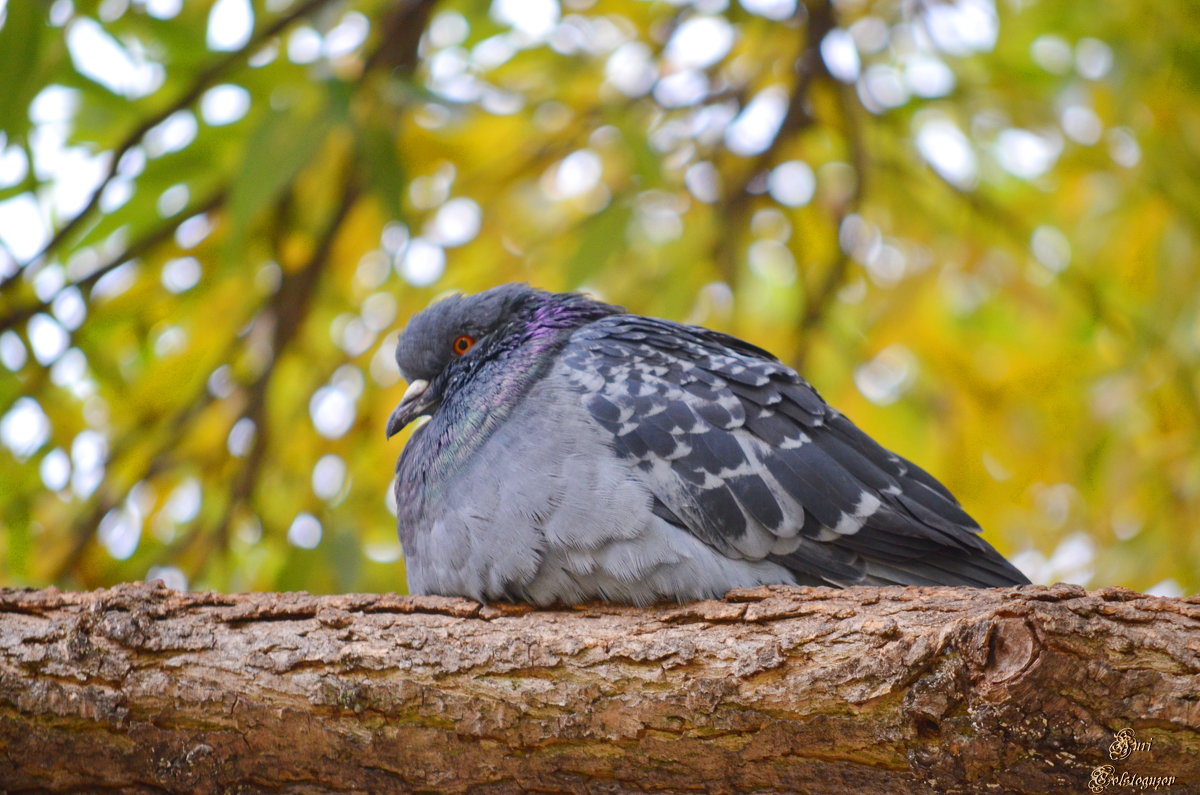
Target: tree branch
{"points": [[779, 689], [287, 311]]}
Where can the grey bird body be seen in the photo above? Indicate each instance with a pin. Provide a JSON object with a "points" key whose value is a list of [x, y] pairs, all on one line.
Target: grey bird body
{"points": [[576, 452]]}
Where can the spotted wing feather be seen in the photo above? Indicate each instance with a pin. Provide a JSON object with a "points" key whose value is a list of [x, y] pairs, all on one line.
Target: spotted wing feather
{"points": [[741, 451]]}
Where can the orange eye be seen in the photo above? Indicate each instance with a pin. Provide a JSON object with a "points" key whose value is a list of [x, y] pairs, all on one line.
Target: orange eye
{"points": [[462, 344]]}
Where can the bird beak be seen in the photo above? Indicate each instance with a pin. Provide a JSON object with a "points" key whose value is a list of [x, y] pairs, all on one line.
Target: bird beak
{"points": [[414, 404]]}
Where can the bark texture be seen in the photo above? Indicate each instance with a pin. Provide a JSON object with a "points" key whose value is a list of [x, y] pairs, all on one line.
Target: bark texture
{"points": [[874, 690]]}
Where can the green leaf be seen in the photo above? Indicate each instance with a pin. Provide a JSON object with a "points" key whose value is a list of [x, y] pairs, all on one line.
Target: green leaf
{"points": [[20, 45], [385, 172], [600, 237], [276, 151]]}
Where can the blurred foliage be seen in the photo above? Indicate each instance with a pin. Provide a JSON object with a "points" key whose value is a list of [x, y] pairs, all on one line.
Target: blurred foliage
{"points": [[973, 226]]}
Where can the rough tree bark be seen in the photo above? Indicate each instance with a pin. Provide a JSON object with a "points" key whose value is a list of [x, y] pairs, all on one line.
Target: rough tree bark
{"points": [[891, 690]]}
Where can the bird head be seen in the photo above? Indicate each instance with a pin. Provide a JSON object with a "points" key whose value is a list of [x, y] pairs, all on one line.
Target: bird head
{"points": [[446, 342], [445, 345]]}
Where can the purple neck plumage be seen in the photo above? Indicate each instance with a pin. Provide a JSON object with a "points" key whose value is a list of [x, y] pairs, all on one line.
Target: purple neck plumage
{"points": [[550, 318]]}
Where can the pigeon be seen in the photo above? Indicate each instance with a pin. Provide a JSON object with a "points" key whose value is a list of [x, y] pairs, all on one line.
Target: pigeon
{"points": [[568, 451]]}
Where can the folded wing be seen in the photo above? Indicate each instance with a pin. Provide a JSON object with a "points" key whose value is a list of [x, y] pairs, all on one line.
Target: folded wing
{"points": [[741, 451]]}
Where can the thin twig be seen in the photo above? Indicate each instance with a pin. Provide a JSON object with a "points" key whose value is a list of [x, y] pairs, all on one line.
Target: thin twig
{"points": [[796, 119], [821, 299], [137, 248], [204, 80]]}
